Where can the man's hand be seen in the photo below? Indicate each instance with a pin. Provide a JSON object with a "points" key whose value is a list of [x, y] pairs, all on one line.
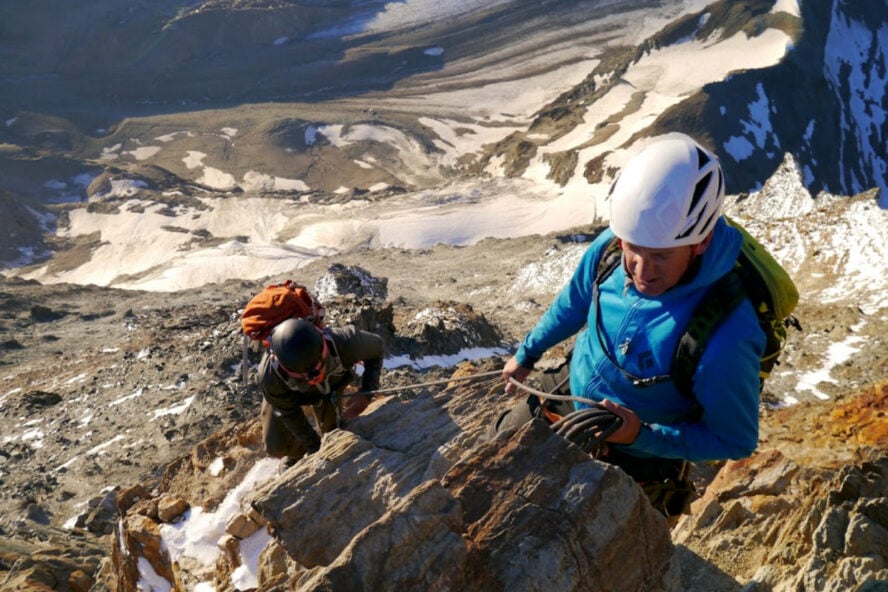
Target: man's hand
{"points": [[513, 369], [628, 432]]}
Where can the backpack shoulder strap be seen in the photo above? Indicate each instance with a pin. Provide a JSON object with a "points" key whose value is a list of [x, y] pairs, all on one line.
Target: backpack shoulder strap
{"points": [[720, 300], [611, 256]]}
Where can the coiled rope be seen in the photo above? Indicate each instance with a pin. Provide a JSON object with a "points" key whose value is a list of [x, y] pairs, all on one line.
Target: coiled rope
{"points": [[587, 428]]}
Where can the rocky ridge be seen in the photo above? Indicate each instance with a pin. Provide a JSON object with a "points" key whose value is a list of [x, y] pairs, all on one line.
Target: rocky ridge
{"points": [[117, 404], [122, 411]]}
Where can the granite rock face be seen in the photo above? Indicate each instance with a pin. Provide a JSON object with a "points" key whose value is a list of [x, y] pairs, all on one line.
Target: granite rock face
{"points": [[409, 497], [522, 513], [801, 514]]}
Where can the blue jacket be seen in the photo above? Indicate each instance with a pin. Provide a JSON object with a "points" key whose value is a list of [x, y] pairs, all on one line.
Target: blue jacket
{"points": [[726, 382]]}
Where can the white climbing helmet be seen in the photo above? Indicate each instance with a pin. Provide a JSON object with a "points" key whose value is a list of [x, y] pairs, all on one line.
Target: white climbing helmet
{"points": [[669, 194]]}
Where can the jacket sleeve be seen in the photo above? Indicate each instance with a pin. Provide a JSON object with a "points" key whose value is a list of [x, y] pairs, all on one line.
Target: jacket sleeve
{"points": [[568, 312], [362, 346], [285, 405], [274, 390], [726, 386], [372, 361]]}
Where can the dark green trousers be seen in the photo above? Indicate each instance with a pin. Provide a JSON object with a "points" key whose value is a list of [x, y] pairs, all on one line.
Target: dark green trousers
{"points": [[280, 441]]}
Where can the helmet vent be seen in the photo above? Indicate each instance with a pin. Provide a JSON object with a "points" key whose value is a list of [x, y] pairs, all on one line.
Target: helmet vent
{"points": [[702, 158], [699, 190], [695, 221], [708, 226]]}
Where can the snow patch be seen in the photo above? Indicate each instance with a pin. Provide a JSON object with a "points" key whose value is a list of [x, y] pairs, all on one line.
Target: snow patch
{"points": [[255, 181], [217, 179], [444, 361], [144, 152], [836, 354], [194, 159], [197, 534], [111, 152]]}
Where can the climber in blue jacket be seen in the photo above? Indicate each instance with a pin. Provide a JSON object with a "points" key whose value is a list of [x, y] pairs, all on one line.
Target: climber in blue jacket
{"points": [[666, 214]]}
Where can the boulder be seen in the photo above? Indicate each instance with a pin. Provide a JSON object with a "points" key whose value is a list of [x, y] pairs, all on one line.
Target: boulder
{"points": [[170, 507], [444, 328], [351, 280], [414, 502]]}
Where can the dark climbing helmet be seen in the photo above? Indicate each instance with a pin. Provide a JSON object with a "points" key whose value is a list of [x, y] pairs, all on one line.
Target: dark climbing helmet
{"points": [[299, 347]]}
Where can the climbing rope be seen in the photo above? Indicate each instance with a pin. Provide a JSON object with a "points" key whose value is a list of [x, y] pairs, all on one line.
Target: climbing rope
{"points": [[551, 396], [587, 428], [479, 376], [406, 387]]}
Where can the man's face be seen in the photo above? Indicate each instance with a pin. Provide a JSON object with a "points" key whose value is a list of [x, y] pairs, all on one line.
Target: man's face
{"points": [[654, 271]]}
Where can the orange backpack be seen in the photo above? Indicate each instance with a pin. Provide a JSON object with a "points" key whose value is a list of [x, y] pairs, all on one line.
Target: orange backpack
{"points": [[277, 303], [273, 305]]}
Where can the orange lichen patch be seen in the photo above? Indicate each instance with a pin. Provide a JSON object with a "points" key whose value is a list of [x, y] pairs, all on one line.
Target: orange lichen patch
{"points": [[767, 472], [863, 419]]}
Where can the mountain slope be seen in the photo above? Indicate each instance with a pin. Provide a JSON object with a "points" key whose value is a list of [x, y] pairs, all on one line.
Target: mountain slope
{"points": [[107, 389], [548, 105], [462, 151]]}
